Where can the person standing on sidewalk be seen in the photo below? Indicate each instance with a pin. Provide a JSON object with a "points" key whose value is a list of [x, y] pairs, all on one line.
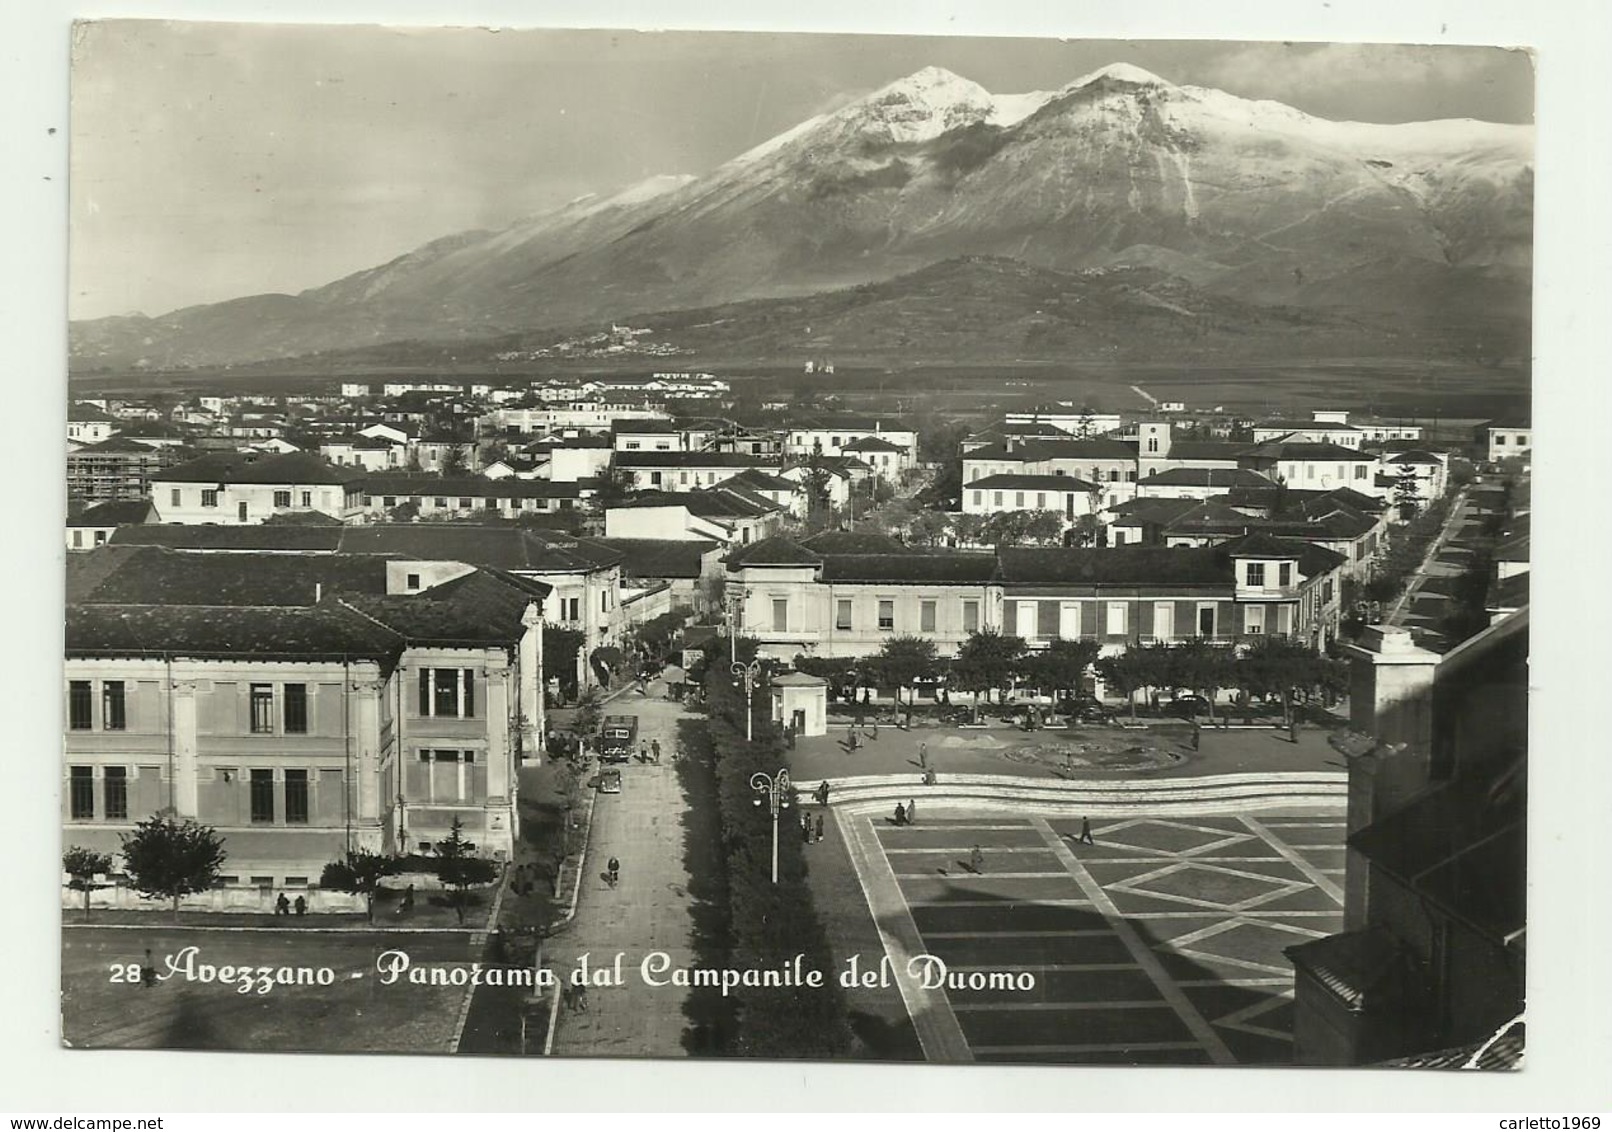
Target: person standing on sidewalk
{"points": [[819, 827], [654, 750], [912, 812], [923, 756]]}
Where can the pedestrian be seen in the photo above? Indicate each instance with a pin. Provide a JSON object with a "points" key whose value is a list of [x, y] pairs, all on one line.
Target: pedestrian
{"points": [[654, 747], [819, 827], [613, 868], [854, 742], [407, 903], [806, 827], [282, 906], [643, 752], [148, 971], [929, 777], [875, 728], [976, 860], [822, 792], [1085, 832], [301, 906], [923, 755], [901, 815], [912, 812]]}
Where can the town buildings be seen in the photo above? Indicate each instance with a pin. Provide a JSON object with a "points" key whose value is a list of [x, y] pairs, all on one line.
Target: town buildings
{"points": [[302, 705], [1430, 966], [235, 488]]}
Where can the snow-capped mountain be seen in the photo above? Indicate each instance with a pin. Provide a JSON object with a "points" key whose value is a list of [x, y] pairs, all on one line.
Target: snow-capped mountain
{"points": [[1253, 200]]}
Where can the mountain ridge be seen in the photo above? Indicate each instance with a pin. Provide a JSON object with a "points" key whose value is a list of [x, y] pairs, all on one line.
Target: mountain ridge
{"points": [[1254, 201]]}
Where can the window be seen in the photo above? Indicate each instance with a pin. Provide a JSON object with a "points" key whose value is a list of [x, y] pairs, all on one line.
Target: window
{"points": [[1164, 620], [307, 499], [240, 511], [926, 616], [1041, 500], [296, 709], [977, 499], [296, 797], [262, 796], [209, 497], [1254, 620], [449, 692], [464, 503], [81, 792], [971, 616], [887, 614], [112, 706], [1116, 618], [1018, 500], [1046, 619], [412, 581], [78, 540], [389, 502], [174, 497], [1256, 574], [79, 705], [1284, 575], [262, 709], [996, 499], [780, 615], [1206, 620], [842, 613], [1152, 444], [1500, 438], [117, 792], [282, 499], [1360, 471], [441, 501]]}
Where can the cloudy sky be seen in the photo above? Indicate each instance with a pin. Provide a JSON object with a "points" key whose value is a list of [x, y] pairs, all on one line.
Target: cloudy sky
{"points": [[211, 161]]}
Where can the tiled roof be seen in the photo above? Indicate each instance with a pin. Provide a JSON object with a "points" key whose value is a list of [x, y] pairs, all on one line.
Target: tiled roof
{"points": [[426, 486], [1206, 477], [266, 632], [1071, 449], [153, 575], [854, 542], [288, 467], [479, 608], [871, 444], [1134, 512], [80, 412], [502, 547], [760, 481], [1009, 482], [776, 551], [693, 460], [1120, 565], [658, 557], [1416, 456], [958, 567], [1302, 450], [642, 427], [1204, 450], [113, 513], [183, 536]]}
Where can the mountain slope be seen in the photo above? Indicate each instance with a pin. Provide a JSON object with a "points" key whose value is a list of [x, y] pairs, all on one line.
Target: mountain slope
{"points": [[1251, 200]]}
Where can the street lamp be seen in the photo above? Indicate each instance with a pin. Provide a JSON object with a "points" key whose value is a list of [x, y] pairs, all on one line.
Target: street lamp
{"points": [[748, 676], [776, 790]]}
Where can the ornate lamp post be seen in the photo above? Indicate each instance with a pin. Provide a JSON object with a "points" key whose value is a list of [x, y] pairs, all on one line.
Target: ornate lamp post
{"points": [[748, 676], [776, 790]]}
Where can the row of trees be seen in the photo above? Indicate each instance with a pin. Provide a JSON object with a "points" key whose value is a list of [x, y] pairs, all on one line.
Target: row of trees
{"points": [[990, 662], [917, 523], [169, 858]]}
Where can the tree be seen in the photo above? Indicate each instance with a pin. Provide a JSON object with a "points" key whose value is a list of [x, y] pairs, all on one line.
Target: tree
{"points": [[1275, 666], [987, 661], [928, 528], [589, 714], [360, 873], [1007, 528], [170, 858], [83, 866], [968, 528], [1203, 667], [560, 648], [1044, 528], [902, 660], [1407, 492], [414, 464], [1062, 667], [614, 485], [453, 460], [459, 868], [1125, 673]]}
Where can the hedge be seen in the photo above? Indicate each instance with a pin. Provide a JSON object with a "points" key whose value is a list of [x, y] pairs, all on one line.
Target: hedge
{"points": [[770, 923]]}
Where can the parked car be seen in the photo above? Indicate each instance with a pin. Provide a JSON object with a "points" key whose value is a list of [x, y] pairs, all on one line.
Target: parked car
{"points": [[609, 782], [1189, 707]]}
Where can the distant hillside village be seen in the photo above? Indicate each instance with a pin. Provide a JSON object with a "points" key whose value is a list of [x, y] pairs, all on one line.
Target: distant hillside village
{"points": [[396, 580]]}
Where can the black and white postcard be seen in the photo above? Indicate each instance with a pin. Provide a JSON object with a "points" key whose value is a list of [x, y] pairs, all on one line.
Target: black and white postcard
{"points": [[600, 544]]}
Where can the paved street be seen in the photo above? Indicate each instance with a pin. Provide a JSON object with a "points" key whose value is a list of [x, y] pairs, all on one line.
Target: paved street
{"points": [[1425, 601], [1161, 943], [648, 911]]}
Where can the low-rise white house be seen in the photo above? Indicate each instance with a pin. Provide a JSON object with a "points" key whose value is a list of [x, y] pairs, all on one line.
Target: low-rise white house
{"points": [[228, 489]]}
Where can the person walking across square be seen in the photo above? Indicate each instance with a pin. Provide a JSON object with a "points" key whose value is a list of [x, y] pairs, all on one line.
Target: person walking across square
{"points": [[1085, 832]]}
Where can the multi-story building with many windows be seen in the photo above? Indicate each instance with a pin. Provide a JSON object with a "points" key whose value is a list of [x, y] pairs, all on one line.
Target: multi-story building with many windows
{"points": [[301, 705]]}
